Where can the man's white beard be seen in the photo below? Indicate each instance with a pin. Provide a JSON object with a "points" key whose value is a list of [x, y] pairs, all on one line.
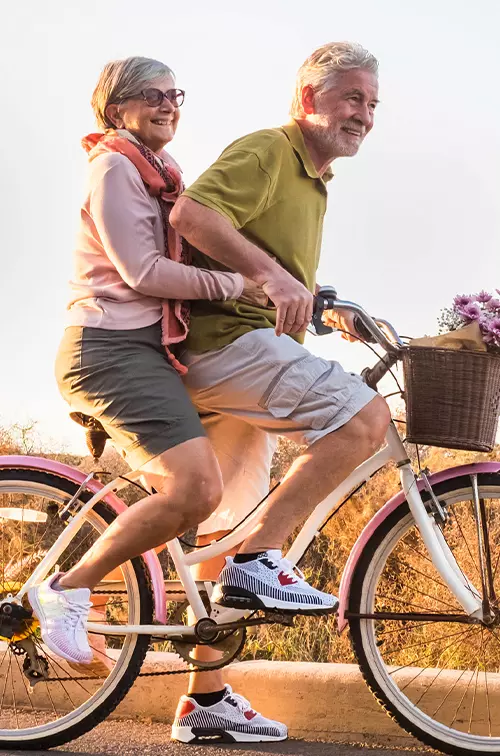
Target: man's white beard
{"points": [[331, 141]]}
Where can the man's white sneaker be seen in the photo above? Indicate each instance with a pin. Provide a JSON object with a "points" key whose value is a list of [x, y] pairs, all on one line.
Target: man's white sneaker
{"points": [[270, 582], [62, 616], [232, 720]]}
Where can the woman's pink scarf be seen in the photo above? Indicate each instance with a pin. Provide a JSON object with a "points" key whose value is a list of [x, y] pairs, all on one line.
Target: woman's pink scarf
{"points": [[164, 182]]}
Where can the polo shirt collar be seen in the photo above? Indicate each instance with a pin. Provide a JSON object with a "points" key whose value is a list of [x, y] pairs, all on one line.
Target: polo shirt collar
{"points": [[296, 138]]}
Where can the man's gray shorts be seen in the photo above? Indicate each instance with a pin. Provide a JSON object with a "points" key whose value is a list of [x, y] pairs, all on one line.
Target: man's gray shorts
{"points": [[276, 386]]}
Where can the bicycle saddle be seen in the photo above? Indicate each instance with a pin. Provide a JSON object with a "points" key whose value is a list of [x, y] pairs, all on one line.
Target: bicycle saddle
{"points": [[95, 435]]}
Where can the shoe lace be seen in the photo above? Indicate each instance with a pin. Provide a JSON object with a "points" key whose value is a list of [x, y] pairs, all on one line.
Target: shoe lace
{"points": [[291, 570], [76, 614], [242, 703]]}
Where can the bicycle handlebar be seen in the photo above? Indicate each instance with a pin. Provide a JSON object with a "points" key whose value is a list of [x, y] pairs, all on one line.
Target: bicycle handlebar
{"points": [[374, 330]]}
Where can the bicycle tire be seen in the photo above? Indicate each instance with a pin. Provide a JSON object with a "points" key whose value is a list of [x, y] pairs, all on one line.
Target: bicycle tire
{"points": [[98, 707], [368, 639]]}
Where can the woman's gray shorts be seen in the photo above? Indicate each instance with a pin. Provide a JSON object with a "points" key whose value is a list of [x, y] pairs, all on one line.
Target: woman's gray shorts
{"points": [[124, 379]]}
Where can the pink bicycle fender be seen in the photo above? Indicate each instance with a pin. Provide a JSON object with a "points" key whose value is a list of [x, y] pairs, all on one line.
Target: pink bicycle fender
{"points": [[77, 476], [382, 514]]}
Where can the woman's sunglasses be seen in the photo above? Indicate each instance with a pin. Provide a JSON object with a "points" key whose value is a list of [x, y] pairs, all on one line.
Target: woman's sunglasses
{"points": [[154, 97]]}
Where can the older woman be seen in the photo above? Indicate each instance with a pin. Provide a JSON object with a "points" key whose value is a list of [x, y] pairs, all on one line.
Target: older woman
{"points": [[117, 360]]}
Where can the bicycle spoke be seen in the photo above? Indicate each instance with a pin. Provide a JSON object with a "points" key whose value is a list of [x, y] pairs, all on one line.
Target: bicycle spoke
{"points": [[443, 679], [406, 603], [465, 540], [418, 658], [462, 699], [3, 554], [77, 548], [5, 683], [28, 694], [424, 574], [486, 688], [425, 642], [440, 671], [428, 595], [63, 691], [14, 702], [54, 663]]}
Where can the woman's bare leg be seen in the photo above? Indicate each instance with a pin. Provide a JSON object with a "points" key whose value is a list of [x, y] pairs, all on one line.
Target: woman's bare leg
{"points": [[190, 486]]}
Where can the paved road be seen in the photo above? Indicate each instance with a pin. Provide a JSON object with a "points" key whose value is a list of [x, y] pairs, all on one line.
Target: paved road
{"points": [[119, 738]]}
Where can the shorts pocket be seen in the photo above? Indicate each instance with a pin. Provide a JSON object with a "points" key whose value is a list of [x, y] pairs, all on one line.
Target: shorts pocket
{"points": [[289, 387]]}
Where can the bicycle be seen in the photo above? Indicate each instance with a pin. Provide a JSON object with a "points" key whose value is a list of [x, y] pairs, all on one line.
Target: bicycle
{"points": [[418, 592]]}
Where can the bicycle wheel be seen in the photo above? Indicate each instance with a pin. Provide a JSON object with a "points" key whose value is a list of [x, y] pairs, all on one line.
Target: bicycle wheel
{"points": [[435, 673], [67, 700]]}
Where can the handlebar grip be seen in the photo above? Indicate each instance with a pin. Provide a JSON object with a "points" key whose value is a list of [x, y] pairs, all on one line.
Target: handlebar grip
{"points": [[363, 330]]}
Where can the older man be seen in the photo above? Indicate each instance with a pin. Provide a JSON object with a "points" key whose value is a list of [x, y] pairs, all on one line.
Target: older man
{"points": [[261, 204]]}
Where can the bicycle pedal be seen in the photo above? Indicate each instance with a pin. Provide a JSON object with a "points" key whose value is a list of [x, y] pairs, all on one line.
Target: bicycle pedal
{"points": [[280, 618]]}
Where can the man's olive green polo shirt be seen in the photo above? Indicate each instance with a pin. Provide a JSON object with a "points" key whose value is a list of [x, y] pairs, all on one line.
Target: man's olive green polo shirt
{"points": [[266, 185]]}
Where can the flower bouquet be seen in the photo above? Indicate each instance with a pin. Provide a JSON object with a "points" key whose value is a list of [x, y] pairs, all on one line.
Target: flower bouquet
{"points": [[452, 381], [482, 309]]}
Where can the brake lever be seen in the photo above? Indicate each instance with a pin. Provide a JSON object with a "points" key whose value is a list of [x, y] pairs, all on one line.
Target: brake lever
{"points": [[320, 328], [324, 300]]}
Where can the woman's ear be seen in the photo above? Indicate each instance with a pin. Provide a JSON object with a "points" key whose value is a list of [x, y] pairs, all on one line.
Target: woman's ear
{"points": [[112, 113]]}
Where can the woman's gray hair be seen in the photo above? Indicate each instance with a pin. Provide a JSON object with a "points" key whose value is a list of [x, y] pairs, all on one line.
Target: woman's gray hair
{"points": [[320, 68], [121, 79]]}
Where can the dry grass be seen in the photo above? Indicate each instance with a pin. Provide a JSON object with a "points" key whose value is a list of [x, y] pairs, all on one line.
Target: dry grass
{"points": [[311, 639]]}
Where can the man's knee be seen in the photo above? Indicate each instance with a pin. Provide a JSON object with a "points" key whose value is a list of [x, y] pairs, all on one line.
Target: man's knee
{"points": [[367, 429], [371, 423]]}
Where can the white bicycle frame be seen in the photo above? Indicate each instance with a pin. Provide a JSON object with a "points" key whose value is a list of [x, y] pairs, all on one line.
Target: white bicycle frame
{"points": [[442, 558], [394, 450]]}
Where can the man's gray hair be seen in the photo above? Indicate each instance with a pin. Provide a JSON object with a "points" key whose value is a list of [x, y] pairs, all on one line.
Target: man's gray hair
{"points": [[121, 79], [320, 68]]}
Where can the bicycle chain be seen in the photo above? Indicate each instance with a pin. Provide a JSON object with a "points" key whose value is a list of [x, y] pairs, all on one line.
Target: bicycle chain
{"points": [[185, 671]]}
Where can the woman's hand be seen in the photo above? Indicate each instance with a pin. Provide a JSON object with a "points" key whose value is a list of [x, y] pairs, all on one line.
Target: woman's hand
{"points": [[253, 294], [343, 321]]}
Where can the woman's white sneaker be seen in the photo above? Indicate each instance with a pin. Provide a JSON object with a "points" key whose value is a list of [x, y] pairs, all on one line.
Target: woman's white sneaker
{"points": [[62, 616], [270, 582], [232, 720]]}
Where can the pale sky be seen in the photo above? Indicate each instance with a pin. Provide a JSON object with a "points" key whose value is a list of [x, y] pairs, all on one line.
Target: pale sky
{"points": [[412, 220]]}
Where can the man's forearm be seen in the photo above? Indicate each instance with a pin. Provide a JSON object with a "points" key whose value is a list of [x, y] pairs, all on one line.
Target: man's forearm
{"points": [[212, 234]]}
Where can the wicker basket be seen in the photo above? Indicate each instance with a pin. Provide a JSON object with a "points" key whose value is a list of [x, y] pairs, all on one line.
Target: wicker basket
{"points": [[452, 397]]}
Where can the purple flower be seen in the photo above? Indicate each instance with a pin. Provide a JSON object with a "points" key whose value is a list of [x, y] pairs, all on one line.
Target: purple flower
{"points": [[483, 297], [493, 305], [462, 299], [470, 311], [493, 324]]}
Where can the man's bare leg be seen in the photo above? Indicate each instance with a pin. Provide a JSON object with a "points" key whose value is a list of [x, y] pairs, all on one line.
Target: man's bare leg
{"points": [[316, 473], [207, 682]]}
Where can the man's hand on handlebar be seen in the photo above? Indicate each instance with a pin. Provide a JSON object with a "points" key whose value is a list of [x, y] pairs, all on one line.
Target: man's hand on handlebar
{"points": [[293, 302], [343, 321]]}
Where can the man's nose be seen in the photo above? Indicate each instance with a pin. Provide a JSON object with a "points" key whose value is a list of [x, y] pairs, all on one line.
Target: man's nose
{"points": [[365, 115]]}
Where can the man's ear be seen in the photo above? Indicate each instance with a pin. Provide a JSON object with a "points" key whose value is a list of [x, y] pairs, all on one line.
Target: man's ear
{"points": [[307, 100], [112, 113]]}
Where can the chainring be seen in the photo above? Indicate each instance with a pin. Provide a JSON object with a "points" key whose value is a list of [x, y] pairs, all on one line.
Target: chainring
{"points": [[226, 647]]}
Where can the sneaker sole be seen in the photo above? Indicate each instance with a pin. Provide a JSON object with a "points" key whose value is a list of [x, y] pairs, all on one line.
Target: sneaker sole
{"points": [[239, 598], [204, 735], [39, 614]]}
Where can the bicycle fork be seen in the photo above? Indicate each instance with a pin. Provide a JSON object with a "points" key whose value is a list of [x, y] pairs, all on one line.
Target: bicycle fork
{"points": [[439, 551]]}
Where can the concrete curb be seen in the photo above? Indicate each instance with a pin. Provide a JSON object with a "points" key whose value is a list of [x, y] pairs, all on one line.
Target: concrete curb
{"points": [[317, 701]]}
